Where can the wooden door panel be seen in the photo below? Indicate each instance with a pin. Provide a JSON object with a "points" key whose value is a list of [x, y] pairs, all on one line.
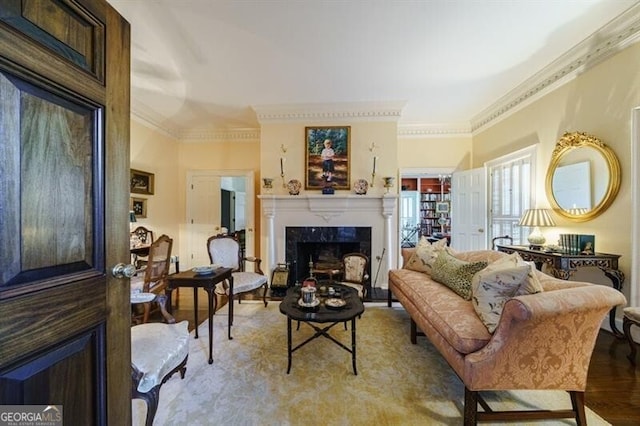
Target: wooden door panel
{"points": [[64, 111], [63, 27]]}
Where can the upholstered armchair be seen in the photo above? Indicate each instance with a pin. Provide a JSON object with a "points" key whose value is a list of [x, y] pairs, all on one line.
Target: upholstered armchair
{"points": [[354, 274], [158, 350], [226, 251]]}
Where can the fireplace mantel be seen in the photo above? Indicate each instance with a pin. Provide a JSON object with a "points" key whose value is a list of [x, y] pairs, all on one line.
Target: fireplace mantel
{"points": [[378, 212], [329, 206]]}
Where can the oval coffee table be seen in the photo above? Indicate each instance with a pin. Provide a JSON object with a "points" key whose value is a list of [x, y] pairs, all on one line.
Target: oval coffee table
{"points": [[322, 314]]}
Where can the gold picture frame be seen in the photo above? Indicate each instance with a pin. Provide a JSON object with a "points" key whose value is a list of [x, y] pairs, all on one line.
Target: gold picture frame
{"points": [[139, 207], [327, 152], [141, 182]]}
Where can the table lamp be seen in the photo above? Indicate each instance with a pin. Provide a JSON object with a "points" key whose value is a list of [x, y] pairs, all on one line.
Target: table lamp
{"points": [[536, 218]]}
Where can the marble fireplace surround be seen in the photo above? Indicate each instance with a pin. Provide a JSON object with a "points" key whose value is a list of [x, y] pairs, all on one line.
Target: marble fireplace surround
{"points": [[377, 212]]}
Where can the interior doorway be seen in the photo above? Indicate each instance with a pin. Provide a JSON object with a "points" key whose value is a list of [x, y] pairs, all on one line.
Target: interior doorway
{"points": [[425, 205], [218, 201]]}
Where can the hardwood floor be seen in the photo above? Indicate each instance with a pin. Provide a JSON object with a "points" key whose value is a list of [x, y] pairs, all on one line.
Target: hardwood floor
{"points": [[613, 386]]}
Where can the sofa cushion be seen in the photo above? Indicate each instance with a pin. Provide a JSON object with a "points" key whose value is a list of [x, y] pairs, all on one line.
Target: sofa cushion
{"points": [[425, 255], [453, 317], [492, 288], [455, 273]]}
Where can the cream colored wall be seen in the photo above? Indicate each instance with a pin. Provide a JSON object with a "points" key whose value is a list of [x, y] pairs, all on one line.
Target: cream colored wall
{"points": [[292, 136], [598, 102], [216, 155], [154, 152], [436, 152]]}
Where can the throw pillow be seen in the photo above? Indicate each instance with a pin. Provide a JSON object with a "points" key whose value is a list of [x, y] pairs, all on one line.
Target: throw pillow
{"points": [[492, 288], [532, 284], [455, 273], [425, 255]]}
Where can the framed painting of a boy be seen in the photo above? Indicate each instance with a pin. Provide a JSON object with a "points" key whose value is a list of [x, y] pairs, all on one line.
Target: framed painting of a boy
{"points": [[327, 157]]}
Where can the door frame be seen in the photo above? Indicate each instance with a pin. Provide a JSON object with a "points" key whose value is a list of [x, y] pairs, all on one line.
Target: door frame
{"points": [[249, 209], [416, 172]]}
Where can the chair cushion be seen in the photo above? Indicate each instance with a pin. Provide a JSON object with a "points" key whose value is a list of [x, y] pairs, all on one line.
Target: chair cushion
{"points": [[247, 281], [358, 287], [632, 313], [156, 349]]}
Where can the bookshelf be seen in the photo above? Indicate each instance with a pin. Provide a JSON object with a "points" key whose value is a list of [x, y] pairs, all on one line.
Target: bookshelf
{"points": [[433, 205]]}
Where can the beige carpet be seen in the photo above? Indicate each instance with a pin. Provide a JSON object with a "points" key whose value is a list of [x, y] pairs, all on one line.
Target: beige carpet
{"points": [[397, 383]]}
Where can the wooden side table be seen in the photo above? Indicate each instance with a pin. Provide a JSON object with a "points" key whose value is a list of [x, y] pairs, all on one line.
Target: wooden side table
{"points": [[208, 283]]}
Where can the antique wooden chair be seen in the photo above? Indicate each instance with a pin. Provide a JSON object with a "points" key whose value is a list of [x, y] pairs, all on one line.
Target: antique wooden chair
{"points": [[226, 251], [142, 236], [153, 278], [354, 272]]}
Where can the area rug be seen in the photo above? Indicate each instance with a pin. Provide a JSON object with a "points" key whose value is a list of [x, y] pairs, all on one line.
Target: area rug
{"points": [[397, 383]]}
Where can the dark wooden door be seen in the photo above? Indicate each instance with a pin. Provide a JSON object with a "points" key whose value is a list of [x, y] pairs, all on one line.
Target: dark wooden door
{"points": [[64, 167]]}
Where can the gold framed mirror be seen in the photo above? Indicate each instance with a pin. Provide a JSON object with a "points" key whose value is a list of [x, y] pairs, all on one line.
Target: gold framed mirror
{"points": [[583, 177]]}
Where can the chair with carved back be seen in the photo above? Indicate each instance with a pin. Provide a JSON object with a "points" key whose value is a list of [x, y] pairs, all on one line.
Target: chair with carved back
{"points": [[153, 279], [354, 272], [225, 250], [158, 351], [142, 236]]}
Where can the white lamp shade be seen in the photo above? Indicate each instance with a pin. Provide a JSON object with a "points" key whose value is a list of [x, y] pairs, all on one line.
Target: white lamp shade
{"points": [[536, 218]]}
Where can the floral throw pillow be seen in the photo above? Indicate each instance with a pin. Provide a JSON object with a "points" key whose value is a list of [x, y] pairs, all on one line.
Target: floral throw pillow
{"points": [[492, 288], [425, 255], [531, 283], [455, 273]]}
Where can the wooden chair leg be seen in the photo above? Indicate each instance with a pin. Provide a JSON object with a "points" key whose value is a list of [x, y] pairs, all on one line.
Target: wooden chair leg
{"points": [[264, 295], [147, 310], [577, 402], [626, 327]]}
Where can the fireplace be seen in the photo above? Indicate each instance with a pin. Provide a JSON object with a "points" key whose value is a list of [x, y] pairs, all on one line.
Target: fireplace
{"points": [[296, 227], [324, 246]]}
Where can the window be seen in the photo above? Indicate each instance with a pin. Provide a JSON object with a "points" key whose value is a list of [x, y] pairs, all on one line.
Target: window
{"points": [[511, 192]]}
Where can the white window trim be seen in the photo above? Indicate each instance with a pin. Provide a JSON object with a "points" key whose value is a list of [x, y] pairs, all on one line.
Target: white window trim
{"points": [[530, 153]]}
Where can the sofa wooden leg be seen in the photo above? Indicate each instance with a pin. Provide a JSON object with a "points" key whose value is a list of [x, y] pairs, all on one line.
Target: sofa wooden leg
{"points": [[577, 402], [414, 332], [389, 298], [470, 407]]}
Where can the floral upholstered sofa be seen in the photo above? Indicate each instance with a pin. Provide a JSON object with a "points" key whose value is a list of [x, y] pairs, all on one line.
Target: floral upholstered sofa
{"points": [[501, 324]]}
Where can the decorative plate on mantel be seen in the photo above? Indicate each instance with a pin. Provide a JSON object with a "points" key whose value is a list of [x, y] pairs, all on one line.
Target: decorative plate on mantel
{"points": [[294, 186], [361, 186]]}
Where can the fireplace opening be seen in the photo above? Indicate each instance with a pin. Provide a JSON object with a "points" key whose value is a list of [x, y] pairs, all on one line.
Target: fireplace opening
{"points": [[324, 246]]}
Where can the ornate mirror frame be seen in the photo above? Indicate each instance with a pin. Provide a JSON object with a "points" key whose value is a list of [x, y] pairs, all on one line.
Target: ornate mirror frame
{"points": [[568, 143]]}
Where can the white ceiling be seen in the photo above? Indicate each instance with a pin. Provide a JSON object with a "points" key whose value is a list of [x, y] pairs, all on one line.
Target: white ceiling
{"points": [[208, 65]]}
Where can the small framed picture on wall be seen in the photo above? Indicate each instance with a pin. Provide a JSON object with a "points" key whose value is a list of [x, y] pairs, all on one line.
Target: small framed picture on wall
{"points": [[139, 207], [141, 182]]}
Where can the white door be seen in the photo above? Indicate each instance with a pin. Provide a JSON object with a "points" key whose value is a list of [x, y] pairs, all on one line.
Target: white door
{"points": [[469, 210], [409, 218], [203, 213], [203, 216]]}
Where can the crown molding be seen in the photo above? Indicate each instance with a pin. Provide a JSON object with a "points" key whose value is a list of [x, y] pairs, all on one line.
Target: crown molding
{"points": [[618, 34], [235, 135], [335, 112], [409, 130]]}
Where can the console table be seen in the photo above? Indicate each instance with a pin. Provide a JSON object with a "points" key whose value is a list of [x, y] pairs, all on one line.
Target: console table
{"points": [[564, 265]]}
